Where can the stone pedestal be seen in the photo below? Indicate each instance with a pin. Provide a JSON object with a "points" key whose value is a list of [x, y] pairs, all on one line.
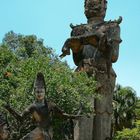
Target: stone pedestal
{"points": [[83, 129]]}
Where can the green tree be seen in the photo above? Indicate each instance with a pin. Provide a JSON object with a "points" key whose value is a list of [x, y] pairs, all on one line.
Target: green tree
{"points": [[21, 58], [137, 109], [129, 134], [124, 104]]}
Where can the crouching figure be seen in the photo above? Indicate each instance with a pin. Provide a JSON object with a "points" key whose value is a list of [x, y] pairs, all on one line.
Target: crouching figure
{"points": [[42, 112]]}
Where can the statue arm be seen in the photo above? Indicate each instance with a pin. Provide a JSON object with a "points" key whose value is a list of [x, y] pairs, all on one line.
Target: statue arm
{"points": [[62, 114], [98, 39], [18, 116], [113, 41], [76, 43], [26, 112], [13, 112], [70, 116]]}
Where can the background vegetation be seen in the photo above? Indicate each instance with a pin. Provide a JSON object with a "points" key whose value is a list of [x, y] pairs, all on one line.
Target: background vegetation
{"points": [[21, 57]]}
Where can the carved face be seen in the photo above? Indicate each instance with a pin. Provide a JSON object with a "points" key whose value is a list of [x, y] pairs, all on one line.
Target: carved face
{"points": [[39, 93], [4, 132], [95, 8], [39, 86]]}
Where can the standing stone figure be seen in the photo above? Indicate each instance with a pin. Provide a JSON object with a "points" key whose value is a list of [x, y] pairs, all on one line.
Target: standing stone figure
{"points": [[42, 112], [95, 46]]}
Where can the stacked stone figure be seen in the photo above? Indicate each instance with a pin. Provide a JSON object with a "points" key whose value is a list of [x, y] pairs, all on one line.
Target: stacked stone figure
{"points": [[95, 46]]}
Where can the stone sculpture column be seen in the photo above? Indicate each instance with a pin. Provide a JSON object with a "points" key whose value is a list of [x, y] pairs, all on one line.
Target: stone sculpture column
{"points": [[95, 46]]}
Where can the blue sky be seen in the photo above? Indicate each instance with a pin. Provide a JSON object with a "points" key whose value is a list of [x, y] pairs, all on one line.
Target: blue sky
{"points": [[50, 19]]}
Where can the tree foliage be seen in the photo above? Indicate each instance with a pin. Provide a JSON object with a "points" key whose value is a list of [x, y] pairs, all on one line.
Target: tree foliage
{"points": [[21, 58], [129, 134], [124, 105], [124, 114]]}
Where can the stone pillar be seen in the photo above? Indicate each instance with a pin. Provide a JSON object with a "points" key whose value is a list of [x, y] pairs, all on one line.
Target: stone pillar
{"points": [[83, 129], [103, 107]]}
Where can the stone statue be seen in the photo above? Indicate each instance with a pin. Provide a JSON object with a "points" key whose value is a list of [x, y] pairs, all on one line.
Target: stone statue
{"points": [[42, 112], [4, 130], [95, 46]]}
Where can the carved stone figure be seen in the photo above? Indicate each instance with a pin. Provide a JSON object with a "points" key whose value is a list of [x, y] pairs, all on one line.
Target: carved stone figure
{"points": [[42, 112], [95, 46], [4, 130]]}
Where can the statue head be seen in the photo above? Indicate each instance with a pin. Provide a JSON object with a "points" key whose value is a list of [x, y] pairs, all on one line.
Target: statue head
{"points": [[39, 86], [4, 130], [95, 8]]}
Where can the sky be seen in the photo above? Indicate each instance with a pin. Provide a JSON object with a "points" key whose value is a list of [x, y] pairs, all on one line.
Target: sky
{"points": [[50, 20]]}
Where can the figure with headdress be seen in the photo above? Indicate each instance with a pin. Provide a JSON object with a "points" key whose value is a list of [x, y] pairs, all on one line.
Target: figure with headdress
{"points": [[42, 112], [95, 46]]}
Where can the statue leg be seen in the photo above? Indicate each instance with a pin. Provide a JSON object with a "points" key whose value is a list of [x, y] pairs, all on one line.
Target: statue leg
{"points": [[103, 107], [37, 134]]}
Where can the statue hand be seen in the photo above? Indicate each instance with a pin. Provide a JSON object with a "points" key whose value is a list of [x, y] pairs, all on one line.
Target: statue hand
{"points": [[76, 117], [65, 49]]}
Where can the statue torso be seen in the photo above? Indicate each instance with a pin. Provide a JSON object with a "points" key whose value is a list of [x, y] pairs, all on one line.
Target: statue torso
{"points": [[98, 54], [42, 114]]}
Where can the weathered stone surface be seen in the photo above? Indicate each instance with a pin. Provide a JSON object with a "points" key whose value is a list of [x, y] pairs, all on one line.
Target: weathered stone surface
{"points": [[95, 8], [83, 129], [95, 46]]}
